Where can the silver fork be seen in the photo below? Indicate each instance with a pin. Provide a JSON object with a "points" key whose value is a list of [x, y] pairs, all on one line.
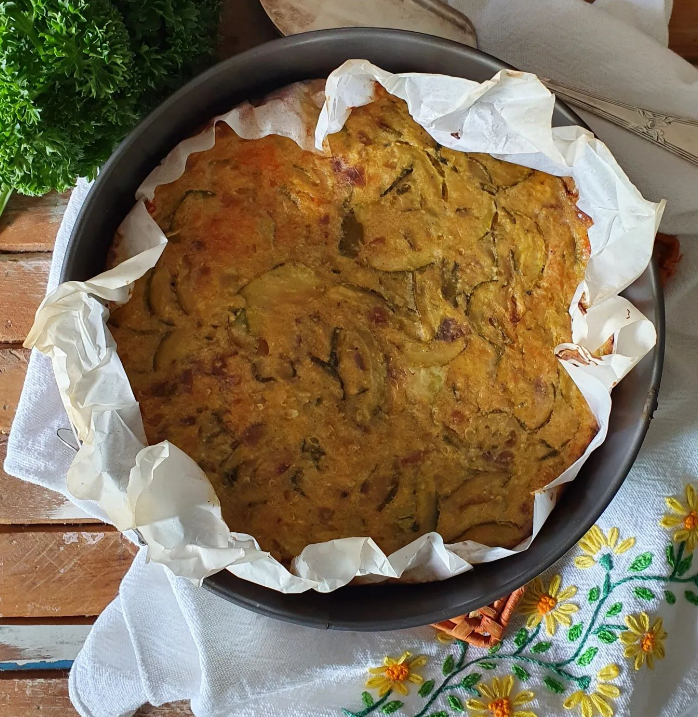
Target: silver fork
{"points": [[671, 132]]}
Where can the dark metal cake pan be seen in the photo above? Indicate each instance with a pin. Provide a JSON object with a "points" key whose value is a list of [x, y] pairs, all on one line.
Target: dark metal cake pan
{"points": [[251, 75]]}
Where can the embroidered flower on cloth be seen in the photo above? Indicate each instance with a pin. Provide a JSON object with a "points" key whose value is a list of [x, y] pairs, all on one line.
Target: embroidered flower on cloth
{"points": [[549, 605], [643, 642], [598, 700], [685, 516], [393, 674], [595, 540], [501, 703]]}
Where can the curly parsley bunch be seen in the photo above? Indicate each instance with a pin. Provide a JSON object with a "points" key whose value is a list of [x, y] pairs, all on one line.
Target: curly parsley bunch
{"points": [[76, 76]]}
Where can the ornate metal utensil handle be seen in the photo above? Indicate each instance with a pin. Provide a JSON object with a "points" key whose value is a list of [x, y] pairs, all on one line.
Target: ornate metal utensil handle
{"points": [[675, 134]]}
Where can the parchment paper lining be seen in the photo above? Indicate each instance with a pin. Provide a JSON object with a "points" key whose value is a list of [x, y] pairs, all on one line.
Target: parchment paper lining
{"points": [[161, 492]]}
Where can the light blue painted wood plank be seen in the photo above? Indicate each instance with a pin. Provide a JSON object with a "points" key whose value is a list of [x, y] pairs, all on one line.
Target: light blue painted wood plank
{"points": [[40, 647], [44, 665]]}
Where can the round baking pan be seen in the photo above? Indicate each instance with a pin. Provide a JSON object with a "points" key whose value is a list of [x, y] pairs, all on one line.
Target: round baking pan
{"points": [[312, 55]]}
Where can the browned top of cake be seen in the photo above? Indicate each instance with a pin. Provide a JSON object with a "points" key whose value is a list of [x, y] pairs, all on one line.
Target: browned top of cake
{"points": [[361, 343]]}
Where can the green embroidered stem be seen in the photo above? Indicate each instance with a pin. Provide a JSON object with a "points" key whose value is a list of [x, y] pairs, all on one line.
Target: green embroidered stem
{"points": [[463, 646], [611, 588], [529, 640], [445, 685], [552, 666], [679, 557], [657, 578], [592, 622], [437, 692], [368, 710]]}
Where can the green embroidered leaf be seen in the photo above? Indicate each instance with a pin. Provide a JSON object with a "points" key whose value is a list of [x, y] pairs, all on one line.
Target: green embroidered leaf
{"points": [[348, 713], [684, 565], [495, 648], [521, 637], [584, 682], [367, 699], [541, 647], [557, 687], [519, 671], [607, 584], [594, 594], [426, 688], [587, 656], [644, 593], [389, 707], [607, 636], [487, 665], [607, 561], [670, 555], [615, 609], [641, 562], [670, 597], [455, 704], [575, 632], [470, 681], [448, 665], [441, 713], [691, 597]]}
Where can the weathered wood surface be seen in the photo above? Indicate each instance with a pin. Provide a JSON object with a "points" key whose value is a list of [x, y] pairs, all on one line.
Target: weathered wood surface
{"points": [[60, 571], [244, 25], [31, 223], [40, 646], [26, 504], [23, 697], [23, 280], [683, 29], [22, 503], [13, 367]]}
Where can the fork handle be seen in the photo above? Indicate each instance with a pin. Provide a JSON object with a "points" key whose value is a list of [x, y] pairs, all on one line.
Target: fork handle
{"points": [[675, 134]]}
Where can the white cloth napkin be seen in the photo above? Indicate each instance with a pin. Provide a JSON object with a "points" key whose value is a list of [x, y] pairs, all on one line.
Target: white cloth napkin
{"points": [[163, 639]]}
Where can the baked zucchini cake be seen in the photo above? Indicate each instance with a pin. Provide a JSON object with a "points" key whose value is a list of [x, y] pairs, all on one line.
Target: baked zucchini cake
{"points": [[361, 343]]}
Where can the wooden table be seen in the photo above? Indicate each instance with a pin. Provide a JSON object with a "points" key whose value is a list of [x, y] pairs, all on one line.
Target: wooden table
{"points": [[58, 568]]}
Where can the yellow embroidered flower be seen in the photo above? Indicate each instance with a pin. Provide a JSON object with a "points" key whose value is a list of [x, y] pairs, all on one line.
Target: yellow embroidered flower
{"points": [[643, 642], [500, 701], [393, 674], [595, 540], [598, 699], [549, 605], [685, 516], [444, 638]]}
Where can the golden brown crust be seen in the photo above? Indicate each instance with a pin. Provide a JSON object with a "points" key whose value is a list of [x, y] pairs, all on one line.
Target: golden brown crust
{"points": [[362, 343]]}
